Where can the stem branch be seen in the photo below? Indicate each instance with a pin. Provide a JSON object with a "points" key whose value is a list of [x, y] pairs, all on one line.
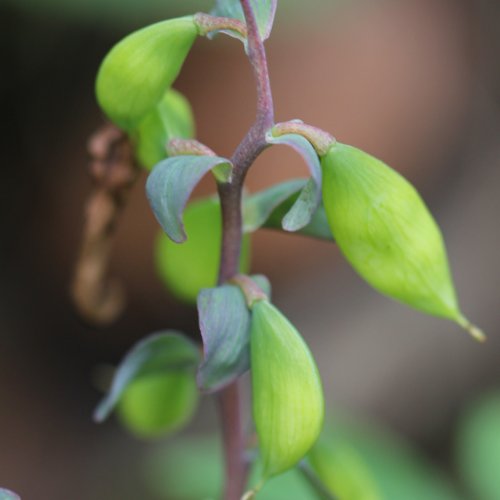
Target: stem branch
{"points": [[230, 198]]}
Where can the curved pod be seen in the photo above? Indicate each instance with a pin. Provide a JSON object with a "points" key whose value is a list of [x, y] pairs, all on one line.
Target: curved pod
{"points": [[288, 404], [139, 69], [387, 233]]}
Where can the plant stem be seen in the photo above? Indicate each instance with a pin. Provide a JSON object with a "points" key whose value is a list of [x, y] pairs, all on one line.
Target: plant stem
{"points": [[230, 194]]}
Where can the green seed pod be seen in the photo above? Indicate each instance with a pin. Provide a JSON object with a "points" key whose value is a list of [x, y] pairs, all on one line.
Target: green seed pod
{"points": [[158, 404], [384, 229], [288, 404], [172, 117], [343, 471], [139, 69], [188, 267]]}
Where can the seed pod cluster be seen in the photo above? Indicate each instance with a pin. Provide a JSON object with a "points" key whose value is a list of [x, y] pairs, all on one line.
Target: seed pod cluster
{"points": [[288, 404], [386, 232]]}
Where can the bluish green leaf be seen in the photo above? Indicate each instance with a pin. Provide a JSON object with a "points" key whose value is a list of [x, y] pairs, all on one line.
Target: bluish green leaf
{"points": [[8, 495], [478, 449], [267, 209], [302, 211], [264, 13], [171, 183], [186, 269], [258, 207], [172, 117], [159, 353], [224, 324]]}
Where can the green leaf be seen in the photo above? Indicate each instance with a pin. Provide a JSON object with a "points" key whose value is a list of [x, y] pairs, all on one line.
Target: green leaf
{"points": [[307, 203], [172, 117], [287, 396], [224, 324], [478, 447], [171, 183], [8, 495], [139, 69], [386, 232], [159, 353], [264, 11], [158, 404], [186, 269]]}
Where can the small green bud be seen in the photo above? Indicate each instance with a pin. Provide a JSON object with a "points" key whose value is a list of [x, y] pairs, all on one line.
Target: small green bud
{"points": [[139, 69], [158, 404], [188, 267], [172, 117], [384, 229], [288, 404]]}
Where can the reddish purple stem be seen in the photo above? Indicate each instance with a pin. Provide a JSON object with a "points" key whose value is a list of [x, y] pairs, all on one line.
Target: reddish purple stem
{"points": [[230, 196]]}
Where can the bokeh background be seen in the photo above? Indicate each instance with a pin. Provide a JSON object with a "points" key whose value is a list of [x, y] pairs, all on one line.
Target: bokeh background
{"points": [[414, 82]]}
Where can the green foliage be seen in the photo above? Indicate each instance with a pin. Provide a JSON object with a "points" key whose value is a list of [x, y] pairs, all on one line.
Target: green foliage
{"points": [[170, 470], [342, 471], [186, 269], [288, 402], [171, 117], [139, 69], [478, 449], [395, 470], [188, 468]]}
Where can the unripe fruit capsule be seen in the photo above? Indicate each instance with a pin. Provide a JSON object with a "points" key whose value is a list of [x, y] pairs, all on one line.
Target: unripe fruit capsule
{"points": [[158, 404], [171, 117], [139, 69], [188, 267], [387, 233], [288, 404]]}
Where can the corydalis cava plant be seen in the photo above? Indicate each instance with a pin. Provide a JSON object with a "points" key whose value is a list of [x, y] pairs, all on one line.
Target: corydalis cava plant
{"points": [[376, 217]]}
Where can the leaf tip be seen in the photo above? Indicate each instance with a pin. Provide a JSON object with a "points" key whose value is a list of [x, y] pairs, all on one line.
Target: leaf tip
{"points": [[99, 414]]}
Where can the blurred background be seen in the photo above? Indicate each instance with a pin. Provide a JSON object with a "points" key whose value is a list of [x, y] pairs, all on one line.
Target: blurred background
{"points": [[414, 82]]}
